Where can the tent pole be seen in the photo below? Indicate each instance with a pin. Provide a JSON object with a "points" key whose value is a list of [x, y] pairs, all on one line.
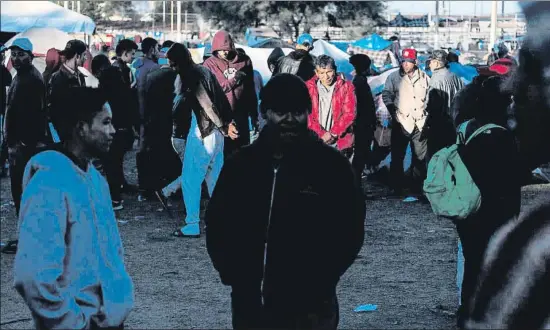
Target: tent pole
{"points": [[171, 19], [178, 35], [164, 16], [436, 43], [493, 23]]}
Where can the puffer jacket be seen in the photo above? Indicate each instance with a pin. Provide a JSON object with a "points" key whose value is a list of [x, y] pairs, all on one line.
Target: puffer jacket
{"points": [[298, 62], [344, 109], [310, 224]]}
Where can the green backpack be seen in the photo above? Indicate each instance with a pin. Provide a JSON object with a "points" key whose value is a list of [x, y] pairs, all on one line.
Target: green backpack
{"points": [[449, 186]]}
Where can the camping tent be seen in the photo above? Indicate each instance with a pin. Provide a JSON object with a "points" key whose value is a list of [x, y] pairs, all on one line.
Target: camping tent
{"points": [[18, 16], [380, 51], [42, 39]]}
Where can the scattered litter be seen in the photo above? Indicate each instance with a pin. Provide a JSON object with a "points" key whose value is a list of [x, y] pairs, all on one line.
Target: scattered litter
{"points": [[123, 222], [409, 232], [170, 273], [431, 231], [540, 175], [410, 200], [139, 217], [366, 308], [2, 244], [160, 210]]}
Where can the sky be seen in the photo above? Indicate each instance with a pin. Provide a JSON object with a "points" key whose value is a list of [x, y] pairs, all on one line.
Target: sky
{"points": [[457, 7]]}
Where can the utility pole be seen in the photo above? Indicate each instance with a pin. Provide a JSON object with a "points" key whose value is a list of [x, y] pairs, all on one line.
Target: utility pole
{"points": [[78, 6], [66, 4], [164, 16], [178, 36], [502, 8], [493, 24], [436, 42], [171, 19]]}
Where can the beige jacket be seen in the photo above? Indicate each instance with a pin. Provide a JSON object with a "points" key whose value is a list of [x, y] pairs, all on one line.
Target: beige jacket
{"points": [[410, 98]]}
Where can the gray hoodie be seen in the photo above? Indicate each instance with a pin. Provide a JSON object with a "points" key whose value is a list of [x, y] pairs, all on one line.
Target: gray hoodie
{"points": [[69, 266]]}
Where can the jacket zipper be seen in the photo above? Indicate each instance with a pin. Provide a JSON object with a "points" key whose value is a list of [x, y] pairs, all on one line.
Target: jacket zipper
{"points": [[275, 170]]}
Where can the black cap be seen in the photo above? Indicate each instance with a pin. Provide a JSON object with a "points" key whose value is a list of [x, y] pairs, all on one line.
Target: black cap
{"points": [[74, 47], [360, 62]]}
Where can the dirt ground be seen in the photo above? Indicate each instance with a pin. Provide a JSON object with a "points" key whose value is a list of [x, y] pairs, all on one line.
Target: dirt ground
{"points": [[407, 267]]}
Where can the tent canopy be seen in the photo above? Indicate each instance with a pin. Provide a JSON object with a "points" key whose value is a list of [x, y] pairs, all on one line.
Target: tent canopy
{"points": [[372, 42], [18, 16], [43, 39]]}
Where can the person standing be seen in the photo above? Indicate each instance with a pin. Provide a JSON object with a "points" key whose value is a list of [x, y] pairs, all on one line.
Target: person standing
{"points": [[69, 266], [296, 228], [211, 121], [5, 82], [66, 77], [365, 122], [235, 74], [333, 106], [25, 123], [125, 53], [443, 87], [299, 62], [405, 95]]}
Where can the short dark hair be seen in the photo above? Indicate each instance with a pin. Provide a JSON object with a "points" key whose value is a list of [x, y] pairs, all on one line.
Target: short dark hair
{"points": [[125, 45], [78, 104], [99, 63], [452, 57], [147, 44], [167, 44], [325, 61], [296, 94]]}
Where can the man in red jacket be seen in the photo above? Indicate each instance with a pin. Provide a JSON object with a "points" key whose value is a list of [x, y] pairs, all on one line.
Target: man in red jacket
{"points": [[235, 74], [333, 106]]}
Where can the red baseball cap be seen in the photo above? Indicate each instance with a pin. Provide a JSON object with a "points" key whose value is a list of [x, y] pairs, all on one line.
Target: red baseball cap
{"points": [[502, 66], [409, 55]]}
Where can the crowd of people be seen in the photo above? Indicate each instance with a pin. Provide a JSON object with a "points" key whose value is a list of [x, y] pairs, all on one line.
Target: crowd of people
{"points": [[283, 242]]}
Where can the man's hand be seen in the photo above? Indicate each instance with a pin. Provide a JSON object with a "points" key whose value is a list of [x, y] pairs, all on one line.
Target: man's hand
{"points": [[232, 131], [328, 138], [255, 126], [239, 76]]}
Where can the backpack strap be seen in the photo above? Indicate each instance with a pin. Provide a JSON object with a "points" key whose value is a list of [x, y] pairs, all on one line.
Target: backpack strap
{"points": [[482, 129], [461, 133]]}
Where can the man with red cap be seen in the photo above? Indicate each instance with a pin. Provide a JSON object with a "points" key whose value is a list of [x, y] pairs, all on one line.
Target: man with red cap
{"points": [[405, 95]]}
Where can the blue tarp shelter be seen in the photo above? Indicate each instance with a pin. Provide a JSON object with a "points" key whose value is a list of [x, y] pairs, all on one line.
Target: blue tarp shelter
{"points": [[18, 16], [372, 42], [254, 36]]}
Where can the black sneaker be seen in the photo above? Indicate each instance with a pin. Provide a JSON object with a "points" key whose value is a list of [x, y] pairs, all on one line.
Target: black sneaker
{"points": [[10, 248], [117, 205]]}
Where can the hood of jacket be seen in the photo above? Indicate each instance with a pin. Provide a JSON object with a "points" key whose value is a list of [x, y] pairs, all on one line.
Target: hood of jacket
{"points": [[222, 41]]}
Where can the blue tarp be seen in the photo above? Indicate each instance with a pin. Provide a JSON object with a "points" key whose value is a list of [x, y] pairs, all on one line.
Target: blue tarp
{"points": [[372, 42], [466, 72], [19, 16]]}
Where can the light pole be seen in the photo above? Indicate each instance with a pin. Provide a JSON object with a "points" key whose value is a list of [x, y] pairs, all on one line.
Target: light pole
{"points": [[178, 8], [493, 24]]}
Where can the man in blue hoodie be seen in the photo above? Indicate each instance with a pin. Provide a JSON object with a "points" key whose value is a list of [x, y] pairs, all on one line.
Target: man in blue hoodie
{"points": [[69, 266]]}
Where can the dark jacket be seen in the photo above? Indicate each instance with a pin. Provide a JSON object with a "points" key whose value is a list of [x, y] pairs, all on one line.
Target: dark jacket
{"points": [[512, 291], [144, 67], [25, 115], [5, 82], [202, 94], [313, 222], [125, 70], [121, 99], [159, 98], [242, 95], [59, 84], [365, 120], [298, 62]]}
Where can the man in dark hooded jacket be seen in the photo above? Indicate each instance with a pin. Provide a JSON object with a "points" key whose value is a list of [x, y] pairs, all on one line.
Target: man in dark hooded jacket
{"points": [[365, 121], [299, 62], [278, 241], [235, 74]]}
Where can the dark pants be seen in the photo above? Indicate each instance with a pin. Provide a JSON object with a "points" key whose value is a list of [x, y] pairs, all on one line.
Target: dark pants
{"points": [[399, 141], [249, 313], [159, 164], [474, 236], [114, 161], [94, 326], [362, 153], [18, 160]]}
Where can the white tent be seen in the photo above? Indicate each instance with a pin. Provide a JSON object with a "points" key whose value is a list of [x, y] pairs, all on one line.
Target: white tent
{"points": [[42, 40], [18, 16]]}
